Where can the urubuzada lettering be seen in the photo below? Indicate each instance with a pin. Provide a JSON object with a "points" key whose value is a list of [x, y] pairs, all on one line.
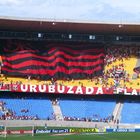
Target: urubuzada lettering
{"points": [[68, 89]]}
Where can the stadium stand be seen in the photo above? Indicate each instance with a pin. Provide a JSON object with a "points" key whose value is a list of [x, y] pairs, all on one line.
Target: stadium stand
{"points": [[22, 62], [26, 109], [131, 112], [90, 110], [118, 68]]}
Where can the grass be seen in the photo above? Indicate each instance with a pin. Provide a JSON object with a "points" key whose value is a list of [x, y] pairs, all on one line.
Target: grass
{"points": [[109, 136]]}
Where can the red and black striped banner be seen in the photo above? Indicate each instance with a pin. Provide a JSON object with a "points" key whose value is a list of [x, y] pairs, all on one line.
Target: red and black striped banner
{"points": [[57, 61]]}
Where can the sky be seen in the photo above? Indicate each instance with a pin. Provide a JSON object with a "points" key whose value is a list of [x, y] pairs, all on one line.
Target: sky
{"points": [[120, 11]]}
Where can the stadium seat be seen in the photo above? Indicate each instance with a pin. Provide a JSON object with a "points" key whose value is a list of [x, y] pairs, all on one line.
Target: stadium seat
{"points": [[30, 107], [131, 113], [93, 109]]}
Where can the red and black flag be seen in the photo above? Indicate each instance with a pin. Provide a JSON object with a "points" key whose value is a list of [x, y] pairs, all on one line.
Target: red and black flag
{"points": [[55, 60]]}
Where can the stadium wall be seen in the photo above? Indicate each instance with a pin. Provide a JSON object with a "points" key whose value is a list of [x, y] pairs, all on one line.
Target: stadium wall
{"points": [[16, 123]]}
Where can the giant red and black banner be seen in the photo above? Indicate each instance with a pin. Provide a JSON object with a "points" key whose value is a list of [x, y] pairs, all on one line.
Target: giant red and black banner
{"points": [[54, 60]]}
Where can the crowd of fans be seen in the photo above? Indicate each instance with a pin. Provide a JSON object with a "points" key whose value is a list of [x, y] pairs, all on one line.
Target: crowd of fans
{"points": [[15, 117], [94, 118], [118, 71], [115, 53]]}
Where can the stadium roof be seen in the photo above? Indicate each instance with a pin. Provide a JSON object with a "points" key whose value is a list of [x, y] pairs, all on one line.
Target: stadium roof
{"points": [[67, 26]]}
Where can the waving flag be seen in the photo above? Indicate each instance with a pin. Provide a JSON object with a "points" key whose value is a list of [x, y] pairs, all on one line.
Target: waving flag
{"points": [[55, 60]]}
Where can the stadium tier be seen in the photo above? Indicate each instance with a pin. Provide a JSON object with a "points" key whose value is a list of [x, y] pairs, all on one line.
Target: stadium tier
{"points": [[72, 110]]}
